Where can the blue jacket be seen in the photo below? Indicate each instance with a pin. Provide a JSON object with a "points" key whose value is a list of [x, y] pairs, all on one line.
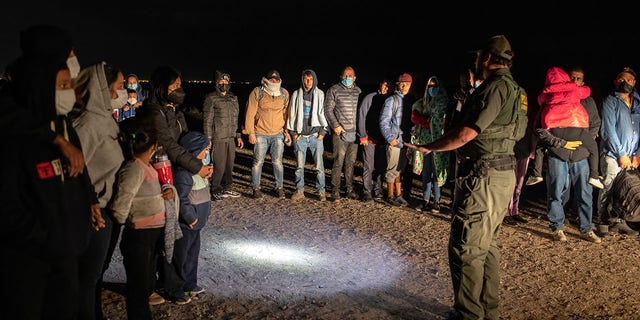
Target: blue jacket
{"points": [[620, 126], [390, 122]]}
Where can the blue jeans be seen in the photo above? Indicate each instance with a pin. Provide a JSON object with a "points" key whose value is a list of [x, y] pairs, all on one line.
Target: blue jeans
{"points": [[561, 178], [275, 145], [316, 147], [429, 179]]}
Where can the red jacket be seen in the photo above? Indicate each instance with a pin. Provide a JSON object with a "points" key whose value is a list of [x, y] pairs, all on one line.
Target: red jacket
{"points": [[560, 101]]}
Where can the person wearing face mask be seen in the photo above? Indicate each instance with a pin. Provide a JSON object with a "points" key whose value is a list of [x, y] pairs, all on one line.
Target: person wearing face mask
{"points": [[53, 205], [120, 102], [132, 83], [265, 124], [220, 124], [195, 208], [619, 147], [340, 109], [96, 86], [428, 118], [161, 111]]}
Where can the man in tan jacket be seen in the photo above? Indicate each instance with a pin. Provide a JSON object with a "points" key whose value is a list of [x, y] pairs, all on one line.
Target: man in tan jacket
{"points": [[264, 123]]}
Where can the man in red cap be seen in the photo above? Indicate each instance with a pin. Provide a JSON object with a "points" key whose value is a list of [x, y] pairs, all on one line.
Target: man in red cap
{"points": [[391, 126]]}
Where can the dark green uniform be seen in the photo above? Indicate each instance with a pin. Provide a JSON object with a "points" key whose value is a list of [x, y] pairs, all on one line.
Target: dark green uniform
{"points": [[484, 186]]}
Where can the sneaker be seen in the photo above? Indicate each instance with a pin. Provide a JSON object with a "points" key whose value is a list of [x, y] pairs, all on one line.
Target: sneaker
{"points": [[393, 202], [435, 207], [216, 197], [257, 193], [182, 300], [298, 195], [352, 195], [424, 207], [230, 194], [591, 237], [558, 235], [508, 220], [519, 218], [156, 299], [603, 230], [195, 291], [378, 198], [367, 197], [279, 192], [402, 201], [596, 183], [534, 180], [322, 196], [622, 227]]}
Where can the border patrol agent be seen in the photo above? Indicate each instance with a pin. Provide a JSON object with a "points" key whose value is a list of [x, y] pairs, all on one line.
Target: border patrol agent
{"points": [[495, 118]]}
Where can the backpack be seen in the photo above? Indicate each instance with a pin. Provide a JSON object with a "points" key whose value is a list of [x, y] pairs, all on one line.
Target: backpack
{"points": [[624, 195], [284, 99]]}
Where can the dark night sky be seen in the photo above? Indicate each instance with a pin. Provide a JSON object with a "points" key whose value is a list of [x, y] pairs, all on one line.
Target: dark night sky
{"points": [[248, 38]]}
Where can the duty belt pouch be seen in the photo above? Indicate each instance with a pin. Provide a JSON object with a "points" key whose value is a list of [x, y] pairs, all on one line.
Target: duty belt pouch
{"points": [[480, 167]]}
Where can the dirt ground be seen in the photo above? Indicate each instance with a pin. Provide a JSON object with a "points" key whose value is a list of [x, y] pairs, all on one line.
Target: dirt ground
{"points": [[276, 259]]}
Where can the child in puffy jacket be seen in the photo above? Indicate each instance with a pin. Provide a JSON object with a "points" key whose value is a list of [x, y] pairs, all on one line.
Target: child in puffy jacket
{"points": [[563, 118]]}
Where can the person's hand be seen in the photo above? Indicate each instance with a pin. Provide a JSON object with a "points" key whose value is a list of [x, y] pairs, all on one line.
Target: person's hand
{"points": [[364, 142], [635, 162], [423, 150], [338, 130], [240, 143], [192, 224], [97, 222], [73, 155], [320, 136], [624, 162], [126, 107], [287, 139], [394, 142], [252, 138], [206, 171], [137, 105], [167, 194], [572, 145]]}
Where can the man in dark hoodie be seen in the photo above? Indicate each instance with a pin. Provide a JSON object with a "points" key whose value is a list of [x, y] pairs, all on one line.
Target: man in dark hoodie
{"points": [[220, 125], [307, 126]]}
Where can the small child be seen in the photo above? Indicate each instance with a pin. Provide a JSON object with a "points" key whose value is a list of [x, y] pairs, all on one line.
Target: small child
{"points": [[139, 204], [195, 207], [564, 117]]}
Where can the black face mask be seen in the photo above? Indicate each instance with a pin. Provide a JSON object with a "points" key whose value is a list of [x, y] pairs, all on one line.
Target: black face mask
{"points": [[223, 87], [177, 96], [624, 87]]}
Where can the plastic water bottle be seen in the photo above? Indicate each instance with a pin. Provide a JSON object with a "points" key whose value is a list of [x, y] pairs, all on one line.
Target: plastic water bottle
{"points": [[162, 164]]}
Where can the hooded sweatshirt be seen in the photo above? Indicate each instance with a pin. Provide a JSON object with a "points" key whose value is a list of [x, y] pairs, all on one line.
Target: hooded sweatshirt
{"points": [[193, 190], [98, 131], [306, 109], [560, 100]]}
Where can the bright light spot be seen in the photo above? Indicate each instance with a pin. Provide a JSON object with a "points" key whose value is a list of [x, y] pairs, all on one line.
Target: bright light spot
{"points": [[267, 253]]}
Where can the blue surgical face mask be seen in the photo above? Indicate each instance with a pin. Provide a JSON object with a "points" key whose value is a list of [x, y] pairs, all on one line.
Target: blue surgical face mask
{"points": [[347, 81], [207, 158], [132, 86], [432, 91]]}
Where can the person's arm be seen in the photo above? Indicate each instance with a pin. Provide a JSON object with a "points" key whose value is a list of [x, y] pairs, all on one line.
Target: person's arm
{"points": [[207, 117], [250, 115], [329, 106], [361, 127], [130, 178], [451, 140]]}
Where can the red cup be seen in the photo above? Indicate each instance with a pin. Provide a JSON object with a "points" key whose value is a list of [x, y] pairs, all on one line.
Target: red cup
{"points": [[165, 174]]}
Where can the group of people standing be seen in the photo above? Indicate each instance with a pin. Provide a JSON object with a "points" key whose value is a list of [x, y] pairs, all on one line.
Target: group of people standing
{"points": [[75, 176]]}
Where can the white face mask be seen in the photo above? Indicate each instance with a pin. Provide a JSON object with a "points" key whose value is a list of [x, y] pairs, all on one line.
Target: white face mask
{"points": [[74, 66], [121, 100], [65, 99], [132, 101]]}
